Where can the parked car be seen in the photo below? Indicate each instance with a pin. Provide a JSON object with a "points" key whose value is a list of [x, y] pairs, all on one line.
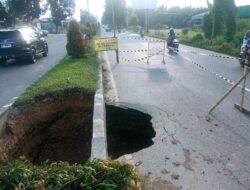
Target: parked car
{"points": [[21, 43]]}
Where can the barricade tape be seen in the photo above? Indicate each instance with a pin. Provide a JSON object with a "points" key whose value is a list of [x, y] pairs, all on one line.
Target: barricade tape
{"points": [[156, 50], [213, 55], [225, 57], [144, 39], [144, 58], [133, 51], [136, 60], [218, 75]]}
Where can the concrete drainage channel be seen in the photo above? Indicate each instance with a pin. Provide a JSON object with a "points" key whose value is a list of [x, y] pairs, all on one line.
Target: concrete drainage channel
{"points": [[61, 130]]}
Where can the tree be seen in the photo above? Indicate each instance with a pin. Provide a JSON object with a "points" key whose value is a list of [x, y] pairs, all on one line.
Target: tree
{"points": [[75, 41], [120, 13], [60, 10], [3, 13], [24, 10], [230, 19], [207, 25], [133, 20], [218, 17], [224, 18], [87, 18]]}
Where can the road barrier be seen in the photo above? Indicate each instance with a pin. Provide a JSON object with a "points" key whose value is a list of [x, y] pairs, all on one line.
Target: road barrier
{"points": [[156, 48]]}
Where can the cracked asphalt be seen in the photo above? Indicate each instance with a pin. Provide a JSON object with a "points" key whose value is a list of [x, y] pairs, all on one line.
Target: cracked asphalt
{"points": [[191, 150]]}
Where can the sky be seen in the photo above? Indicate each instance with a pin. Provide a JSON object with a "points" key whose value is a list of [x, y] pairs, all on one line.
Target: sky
{"points": [[96, 7]]}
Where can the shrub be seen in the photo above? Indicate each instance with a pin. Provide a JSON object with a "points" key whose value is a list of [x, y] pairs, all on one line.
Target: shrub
{"points": [[225, 47], [197, 38], [207, 25], [218, 40], [184, 31], [95, 174], [75, 40]]}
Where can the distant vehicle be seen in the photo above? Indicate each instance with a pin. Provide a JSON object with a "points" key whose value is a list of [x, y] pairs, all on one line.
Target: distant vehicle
{"points": [[21, 43], [108, 29], [119, 29], [142, 32]]}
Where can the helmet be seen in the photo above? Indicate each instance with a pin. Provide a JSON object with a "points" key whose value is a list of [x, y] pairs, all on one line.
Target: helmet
{"points": [[247, 34], [171, 31]]}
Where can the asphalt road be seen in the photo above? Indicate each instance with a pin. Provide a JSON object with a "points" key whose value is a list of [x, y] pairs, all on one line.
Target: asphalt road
{"points": [[192, 149], [15, 77]]}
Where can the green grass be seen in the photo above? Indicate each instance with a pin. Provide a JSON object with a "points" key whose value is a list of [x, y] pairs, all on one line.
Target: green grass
{"points": [[70, 75], [95, 174]]}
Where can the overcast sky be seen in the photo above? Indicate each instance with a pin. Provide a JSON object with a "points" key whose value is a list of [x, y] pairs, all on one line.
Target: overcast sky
{"points": [[97, 6]]}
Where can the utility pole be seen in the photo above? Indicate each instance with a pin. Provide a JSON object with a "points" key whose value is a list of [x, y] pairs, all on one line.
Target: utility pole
{"points": [[113, 16], [146, 20], [88, 10], [114, 28]]}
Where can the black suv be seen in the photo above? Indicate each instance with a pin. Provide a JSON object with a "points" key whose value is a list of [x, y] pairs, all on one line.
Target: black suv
{"points": [[21, 43]]}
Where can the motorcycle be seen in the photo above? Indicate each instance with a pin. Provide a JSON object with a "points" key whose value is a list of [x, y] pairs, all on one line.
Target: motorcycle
{"points": [[173, 45], [245, 55]]}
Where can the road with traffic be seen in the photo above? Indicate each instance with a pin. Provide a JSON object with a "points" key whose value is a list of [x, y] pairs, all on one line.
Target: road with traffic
{"points": [[15, 77], [192, 149]]}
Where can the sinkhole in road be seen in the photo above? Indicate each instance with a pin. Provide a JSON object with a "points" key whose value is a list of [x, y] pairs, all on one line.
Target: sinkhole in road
{"points": [[128, 130]]}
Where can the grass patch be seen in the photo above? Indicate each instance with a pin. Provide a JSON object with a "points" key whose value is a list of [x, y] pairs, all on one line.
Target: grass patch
{"points": [[70, 75], [95, 174]]}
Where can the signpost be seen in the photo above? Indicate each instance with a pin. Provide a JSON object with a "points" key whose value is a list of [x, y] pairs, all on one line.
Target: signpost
{"points": [[105, 44]]}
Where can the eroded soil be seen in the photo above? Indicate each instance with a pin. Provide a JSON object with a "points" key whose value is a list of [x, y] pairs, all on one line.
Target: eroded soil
{"points": [[49, 130]]}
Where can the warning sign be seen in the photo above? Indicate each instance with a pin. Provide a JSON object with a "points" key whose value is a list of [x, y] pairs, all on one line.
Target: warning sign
{"points": [[106, 44]]}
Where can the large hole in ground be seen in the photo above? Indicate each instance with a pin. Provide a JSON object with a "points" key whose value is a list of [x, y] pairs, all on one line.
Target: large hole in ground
{"points": [[50, 130], [128, 130]]}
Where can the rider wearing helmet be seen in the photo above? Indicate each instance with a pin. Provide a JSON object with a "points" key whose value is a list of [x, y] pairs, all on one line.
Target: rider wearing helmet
{"points": [[245, 39], [245, 44], [171, 36]]}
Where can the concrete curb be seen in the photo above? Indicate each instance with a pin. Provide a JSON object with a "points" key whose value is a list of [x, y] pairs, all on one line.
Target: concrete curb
{"points": [[99, 138]]}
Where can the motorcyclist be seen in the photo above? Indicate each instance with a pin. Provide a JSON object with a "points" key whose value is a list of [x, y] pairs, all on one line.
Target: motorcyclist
{"points": [[245, 42], [171, 37], [245, 39], [142, 32]]}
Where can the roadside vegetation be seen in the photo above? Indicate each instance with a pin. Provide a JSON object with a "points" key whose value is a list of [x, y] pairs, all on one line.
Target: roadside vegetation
{"points": [[95, 174], [221, 31], [70, 75], [222, 42]]}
